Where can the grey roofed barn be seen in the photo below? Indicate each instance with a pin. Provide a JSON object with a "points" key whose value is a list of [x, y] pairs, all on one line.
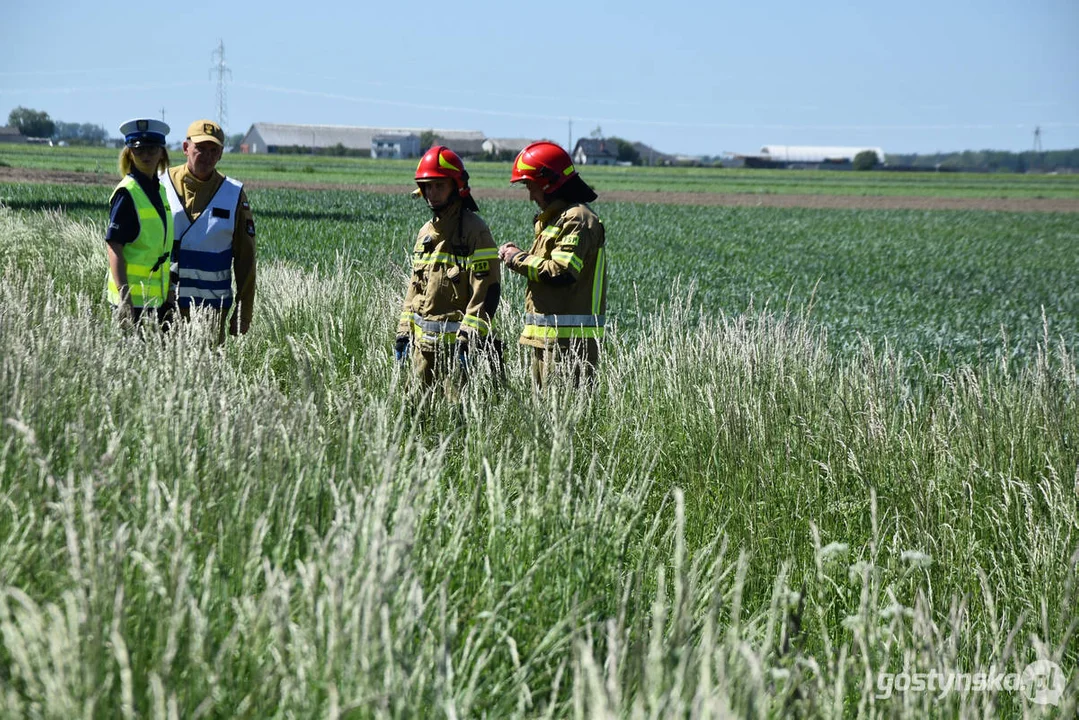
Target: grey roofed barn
{"points": [[269, 137], [11, 134]]}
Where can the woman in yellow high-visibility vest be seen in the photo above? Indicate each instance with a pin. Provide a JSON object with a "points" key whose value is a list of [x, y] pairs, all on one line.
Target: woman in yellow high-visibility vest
{"points": [[139, 237]]}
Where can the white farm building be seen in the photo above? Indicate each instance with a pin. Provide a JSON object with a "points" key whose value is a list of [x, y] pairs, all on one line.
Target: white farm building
{"points": [[380, 142], [815, 154]]}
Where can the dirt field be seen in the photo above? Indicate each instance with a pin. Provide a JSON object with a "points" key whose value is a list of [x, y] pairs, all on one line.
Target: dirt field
{"points": [[833, 202]]}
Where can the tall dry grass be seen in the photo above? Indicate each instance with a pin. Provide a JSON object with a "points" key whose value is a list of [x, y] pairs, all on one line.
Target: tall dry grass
{"points": [[735, 522]]}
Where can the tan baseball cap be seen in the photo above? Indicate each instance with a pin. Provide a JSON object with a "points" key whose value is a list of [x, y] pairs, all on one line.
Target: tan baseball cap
{"points": [[205, 130]]}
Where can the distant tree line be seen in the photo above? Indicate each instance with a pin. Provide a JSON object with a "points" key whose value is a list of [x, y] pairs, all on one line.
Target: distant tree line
{"points": [[80, 133], [992, 161], [31, 123], [866, 160], [625, 149], [38, 124]]}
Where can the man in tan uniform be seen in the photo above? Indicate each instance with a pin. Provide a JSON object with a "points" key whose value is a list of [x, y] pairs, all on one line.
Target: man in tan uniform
{"points": [[215, 233]]}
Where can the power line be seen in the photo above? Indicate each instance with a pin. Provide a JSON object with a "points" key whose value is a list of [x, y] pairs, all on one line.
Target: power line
{"points": [[1039, 155], [222, 70], [635, 121]]}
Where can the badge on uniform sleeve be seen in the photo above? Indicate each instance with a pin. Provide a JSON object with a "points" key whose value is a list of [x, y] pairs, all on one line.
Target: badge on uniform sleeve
{"points": [[481, 266], [251, 228]]}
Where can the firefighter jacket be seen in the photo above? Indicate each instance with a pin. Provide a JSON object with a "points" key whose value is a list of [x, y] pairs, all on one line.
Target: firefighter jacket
{"points": [[215, 240], [566, 298], [147, 256], [455, 285]]}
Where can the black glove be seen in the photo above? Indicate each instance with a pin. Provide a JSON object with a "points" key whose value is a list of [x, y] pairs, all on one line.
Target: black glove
{"points": [[400, 347], [462, 354]]}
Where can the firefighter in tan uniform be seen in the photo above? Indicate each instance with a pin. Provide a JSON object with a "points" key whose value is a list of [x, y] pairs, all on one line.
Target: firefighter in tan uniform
{"points": [[566, 297], [215, 233], [455, 284]]}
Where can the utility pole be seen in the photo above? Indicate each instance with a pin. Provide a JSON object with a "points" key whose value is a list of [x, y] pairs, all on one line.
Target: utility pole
{"points": [[1036, 162], [162, 114], [222, 70]]}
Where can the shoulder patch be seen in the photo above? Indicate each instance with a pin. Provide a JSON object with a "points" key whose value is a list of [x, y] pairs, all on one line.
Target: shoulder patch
{"points": [[251, 228], [480, 266], [569, 240]]}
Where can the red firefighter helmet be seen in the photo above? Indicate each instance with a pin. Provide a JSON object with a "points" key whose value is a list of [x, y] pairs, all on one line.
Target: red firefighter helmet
{"points": [[545, 163], [441, 162]]}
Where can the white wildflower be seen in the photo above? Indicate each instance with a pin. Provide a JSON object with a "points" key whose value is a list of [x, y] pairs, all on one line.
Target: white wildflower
{"points": [[916, 559], [833, 550], [856, 571]]}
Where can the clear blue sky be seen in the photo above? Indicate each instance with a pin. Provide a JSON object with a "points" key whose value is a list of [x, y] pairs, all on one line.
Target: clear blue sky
{"points": [[689, 77]]}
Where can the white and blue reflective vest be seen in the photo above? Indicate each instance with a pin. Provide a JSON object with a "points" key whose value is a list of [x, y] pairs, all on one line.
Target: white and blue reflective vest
{"points": [[205, 246]]}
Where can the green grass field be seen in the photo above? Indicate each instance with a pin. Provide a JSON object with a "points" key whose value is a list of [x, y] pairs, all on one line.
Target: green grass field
{"points": [[951, 286], [824, 445], [360, 171]]}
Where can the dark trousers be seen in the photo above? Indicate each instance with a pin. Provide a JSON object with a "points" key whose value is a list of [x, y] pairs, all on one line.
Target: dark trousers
{"points": [[220, 317], [578, 358], [163, 316]]}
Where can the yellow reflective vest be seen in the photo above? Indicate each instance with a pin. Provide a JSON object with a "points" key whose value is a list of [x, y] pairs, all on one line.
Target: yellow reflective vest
{"points": [[147, 257]]}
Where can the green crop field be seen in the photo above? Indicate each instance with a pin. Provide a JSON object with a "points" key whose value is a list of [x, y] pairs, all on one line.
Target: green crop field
{"points": [[826, 447], [100, 163], [946, 285]]}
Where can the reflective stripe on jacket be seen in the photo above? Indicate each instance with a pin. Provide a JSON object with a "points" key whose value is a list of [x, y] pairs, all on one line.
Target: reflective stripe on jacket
{"points": [[455, 279], [434, 330], [147, 256], [552, 327], [205, 246], [566, 268]]}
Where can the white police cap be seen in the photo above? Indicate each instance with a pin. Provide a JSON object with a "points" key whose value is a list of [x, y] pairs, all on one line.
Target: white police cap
{"points": [[141, 132]]}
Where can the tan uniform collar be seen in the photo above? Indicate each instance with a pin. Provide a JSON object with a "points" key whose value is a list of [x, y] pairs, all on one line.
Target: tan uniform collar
{"points": [[556, 208], [188, 178]]}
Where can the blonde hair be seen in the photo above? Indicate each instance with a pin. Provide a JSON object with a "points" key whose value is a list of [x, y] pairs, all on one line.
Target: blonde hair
{"points": [[127, 163]]}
